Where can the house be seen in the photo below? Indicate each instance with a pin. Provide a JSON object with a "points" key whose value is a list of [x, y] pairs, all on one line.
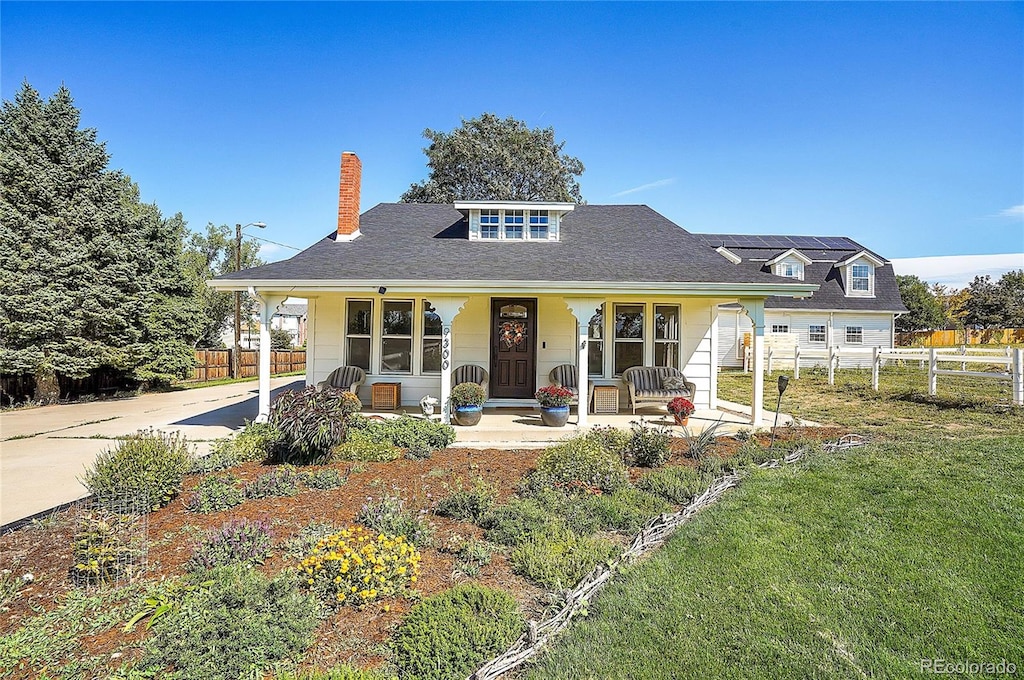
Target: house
{"points": [[409, 292], [290, 317], [855, 306]]}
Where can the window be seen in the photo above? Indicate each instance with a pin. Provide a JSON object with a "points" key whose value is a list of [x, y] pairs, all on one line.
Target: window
{"points": [[396, 337], [855, 335], [488, 224], [793, 270], [514, 224], [539, 224], [780, 328], [816, 333], [666, 335], [860, 276], [629, 337], [431, 340], [357, 333], [595, 344]]}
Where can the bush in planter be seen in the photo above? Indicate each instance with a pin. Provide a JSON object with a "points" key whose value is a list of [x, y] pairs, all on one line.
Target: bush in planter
{"points": [[311, 422], [467, 394], [553, 395]]}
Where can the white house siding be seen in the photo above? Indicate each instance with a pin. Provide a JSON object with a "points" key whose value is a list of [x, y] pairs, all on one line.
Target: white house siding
{"points": [[877, 333]]}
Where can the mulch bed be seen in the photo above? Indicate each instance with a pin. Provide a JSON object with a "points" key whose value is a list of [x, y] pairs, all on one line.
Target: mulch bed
{"points": [[350, 634]]}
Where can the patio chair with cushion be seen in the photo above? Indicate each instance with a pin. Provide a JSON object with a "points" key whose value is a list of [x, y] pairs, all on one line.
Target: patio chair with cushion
{"points": [[566, 375], [656, 385], [470, 373], [348, 378]]}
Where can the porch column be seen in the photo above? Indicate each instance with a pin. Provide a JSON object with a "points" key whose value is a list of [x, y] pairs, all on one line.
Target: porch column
{"points": [[447, 308], [755, 312], [583, 309], [269, 304]]}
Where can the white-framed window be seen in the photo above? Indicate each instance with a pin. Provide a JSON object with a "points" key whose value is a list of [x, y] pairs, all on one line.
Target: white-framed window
{"points": [[855, 335], [860, 278], [792, 270], [489, 224], [629, 337], [358, 325], [539, 224], [816, 333], [666, 335], [780, 328], [430, 360], [595, 343], [396, 337], [514, 224]]}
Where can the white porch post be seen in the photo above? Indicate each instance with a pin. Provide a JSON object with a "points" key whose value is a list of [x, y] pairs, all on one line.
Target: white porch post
{"points": [[447, 308], [583, 309], [755, 311], [269, 305]]}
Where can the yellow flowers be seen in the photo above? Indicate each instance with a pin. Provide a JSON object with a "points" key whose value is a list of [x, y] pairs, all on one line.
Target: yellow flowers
{"points": [[357, 566]]}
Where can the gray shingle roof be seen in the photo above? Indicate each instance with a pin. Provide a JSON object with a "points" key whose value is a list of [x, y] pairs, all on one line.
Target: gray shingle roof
{"points": [[419, 241], [755, 250]]}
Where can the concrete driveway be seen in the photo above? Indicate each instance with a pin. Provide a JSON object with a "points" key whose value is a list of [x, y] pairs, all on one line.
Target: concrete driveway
{"points": [[44, 450]]}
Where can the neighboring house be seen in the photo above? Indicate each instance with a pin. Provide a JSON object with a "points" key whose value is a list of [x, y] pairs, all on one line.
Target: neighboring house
{"points": [[411, 291], [290, 317], [854, 307]]}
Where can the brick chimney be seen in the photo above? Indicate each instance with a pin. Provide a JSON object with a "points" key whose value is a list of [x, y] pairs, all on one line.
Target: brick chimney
{"points": [[348, 197]]}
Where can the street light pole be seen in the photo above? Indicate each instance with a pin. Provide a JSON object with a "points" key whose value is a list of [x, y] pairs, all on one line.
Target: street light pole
{"points": [[236, 362]]}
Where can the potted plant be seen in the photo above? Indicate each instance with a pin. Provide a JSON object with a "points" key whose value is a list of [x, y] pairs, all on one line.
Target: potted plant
{"points": [[554, 404], [467, 403], [681, 409]]}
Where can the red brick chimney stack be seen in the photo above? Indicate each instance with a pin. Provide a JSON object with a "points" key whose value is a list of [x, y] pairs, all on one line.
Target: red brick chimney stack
{"points": [[348, 196]]}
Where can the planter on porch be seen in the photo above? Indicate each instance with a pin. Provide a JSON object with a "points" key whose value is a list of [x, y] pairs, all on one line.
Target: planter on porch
{"points": [[681, 409], [554, 416], [681, 420], [467, 403], [467, 415]]}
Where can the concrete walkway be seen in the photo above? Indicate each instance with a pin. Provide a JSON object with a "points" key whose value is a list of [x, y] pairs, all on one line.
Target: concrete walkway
{"points": [[44, 450]]}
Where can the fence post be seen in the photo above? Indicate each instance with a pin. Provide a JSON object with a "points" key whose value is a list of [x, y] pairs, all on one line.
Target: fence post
{"points": [[832, 365], [796, 362], [1018, 377], [876, 360], [933, 365], [963, 352], [771, 352]]}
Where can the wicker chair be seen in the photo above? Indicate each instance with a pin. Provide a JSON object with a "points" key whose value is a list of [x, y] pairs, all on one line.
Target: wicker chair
{"points": [[566, 375], [470, 373], [348, 378]]}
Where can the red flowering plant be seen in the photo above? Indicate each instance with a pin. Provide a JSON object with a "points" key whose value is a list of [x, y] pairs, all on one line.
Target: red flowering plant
{"points": [[682, 407], [554, 395]]}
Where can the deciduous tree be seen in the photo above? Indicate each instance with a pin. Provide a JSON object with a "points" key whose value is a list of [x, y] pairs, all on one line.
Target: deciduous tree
{"points": [[925, 312]]}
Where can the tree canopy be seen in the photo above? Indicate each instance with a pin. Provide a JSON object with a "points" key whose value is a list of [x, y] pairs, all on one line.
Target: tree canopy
{"points": [[90, 276], [925, 309], [495, 159], [998, 304]]}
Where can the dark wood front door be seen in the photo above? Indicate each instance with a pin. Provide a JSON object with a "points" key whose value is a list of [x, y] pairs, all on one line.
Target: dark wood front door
{"points": [[513, 348]]}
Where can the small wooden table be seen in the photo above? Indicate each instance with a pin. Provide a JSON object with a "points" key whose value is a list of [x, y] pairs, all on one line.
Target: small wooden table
{"points": [[606, 399], [386, 395]]}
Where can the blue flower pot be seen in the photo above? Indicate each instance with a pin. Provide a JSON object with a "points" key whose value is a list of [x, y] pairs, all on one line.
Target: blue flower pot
{"points": [[554, 416], [468, 415]]}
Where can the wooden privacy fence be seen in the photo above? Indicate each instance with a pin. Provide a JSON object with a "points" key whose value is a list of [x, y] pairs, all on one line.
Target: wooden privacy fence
{"points": [[1008, 359], [216, 363], [988, 336]]}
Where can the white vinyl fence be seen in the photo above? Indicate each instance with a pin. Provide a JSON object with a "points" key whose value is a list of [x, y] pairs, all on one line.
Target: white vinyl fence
{"points": [[939, 362]]}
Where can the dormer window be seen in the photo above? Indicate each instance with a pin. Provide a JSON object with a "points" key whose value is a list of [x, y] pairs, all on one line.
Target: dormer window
{"points": [[859, 274], [789, 264], [514, 220], [539, 224], [791, 270], [488, 224], [860, 278]]}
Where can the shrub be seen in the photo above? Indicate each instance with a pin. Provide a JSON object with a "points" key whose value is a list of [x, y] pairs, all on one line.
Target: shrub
{"points": [[355, 566], [467, 394], [751, 454], [281, 481], [390, 516], [610, 438], [214, 493], [625, 510], [147, 465], [449, 634], [675, 484], [311, 422], [468, 504], [256, 442], [221, 457], [103, 549], [328, 478], [559, 560], [414, 434], [358, 448], [236, 542], [713, 467], [649, 445], [580, 460], [238, 626], [518, 520]]}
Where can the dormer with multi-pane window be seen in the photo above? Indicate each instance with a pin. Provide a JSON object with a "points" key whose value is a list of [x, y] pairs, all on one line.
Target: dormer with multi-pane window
{"points": [[514, 220], [858, 272], [790, 264]]}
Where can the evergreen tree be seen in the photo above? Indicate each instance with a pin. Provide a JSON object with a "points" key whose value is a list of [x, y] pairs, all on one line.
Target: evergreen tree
{"points": [[90, 276]]}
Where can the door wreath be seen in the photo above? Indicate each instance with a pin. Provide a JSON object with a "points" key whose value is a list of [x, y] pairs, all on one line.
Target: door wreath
{"points": [[513, 333]]}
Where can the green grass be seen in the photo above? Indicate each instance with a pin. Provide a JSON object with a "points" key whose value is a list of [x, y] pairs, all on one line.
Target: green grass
{"points": [[857, 564]]}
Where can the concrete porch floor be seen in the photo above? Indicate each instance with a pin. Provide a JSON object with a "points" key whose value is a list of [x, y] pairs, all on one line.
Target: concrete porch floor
{"points": [[521, 427]]}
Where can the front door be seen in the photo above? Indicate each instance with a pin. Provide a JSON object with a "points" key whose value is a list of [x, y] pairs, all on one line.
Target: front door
{"points": [[513, 348]]}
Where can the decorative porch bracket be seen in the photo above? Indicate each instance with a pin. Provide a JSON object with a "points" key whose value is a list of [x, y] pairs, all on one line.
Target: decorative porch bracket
{"points": [[269, 306], [583, 309], [447, 308], [754, 309]]}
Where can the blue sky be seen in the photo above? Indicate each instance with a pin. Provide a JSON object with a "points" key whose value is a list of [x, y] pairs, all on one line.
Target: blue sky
{"points": [[899, 125]]}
